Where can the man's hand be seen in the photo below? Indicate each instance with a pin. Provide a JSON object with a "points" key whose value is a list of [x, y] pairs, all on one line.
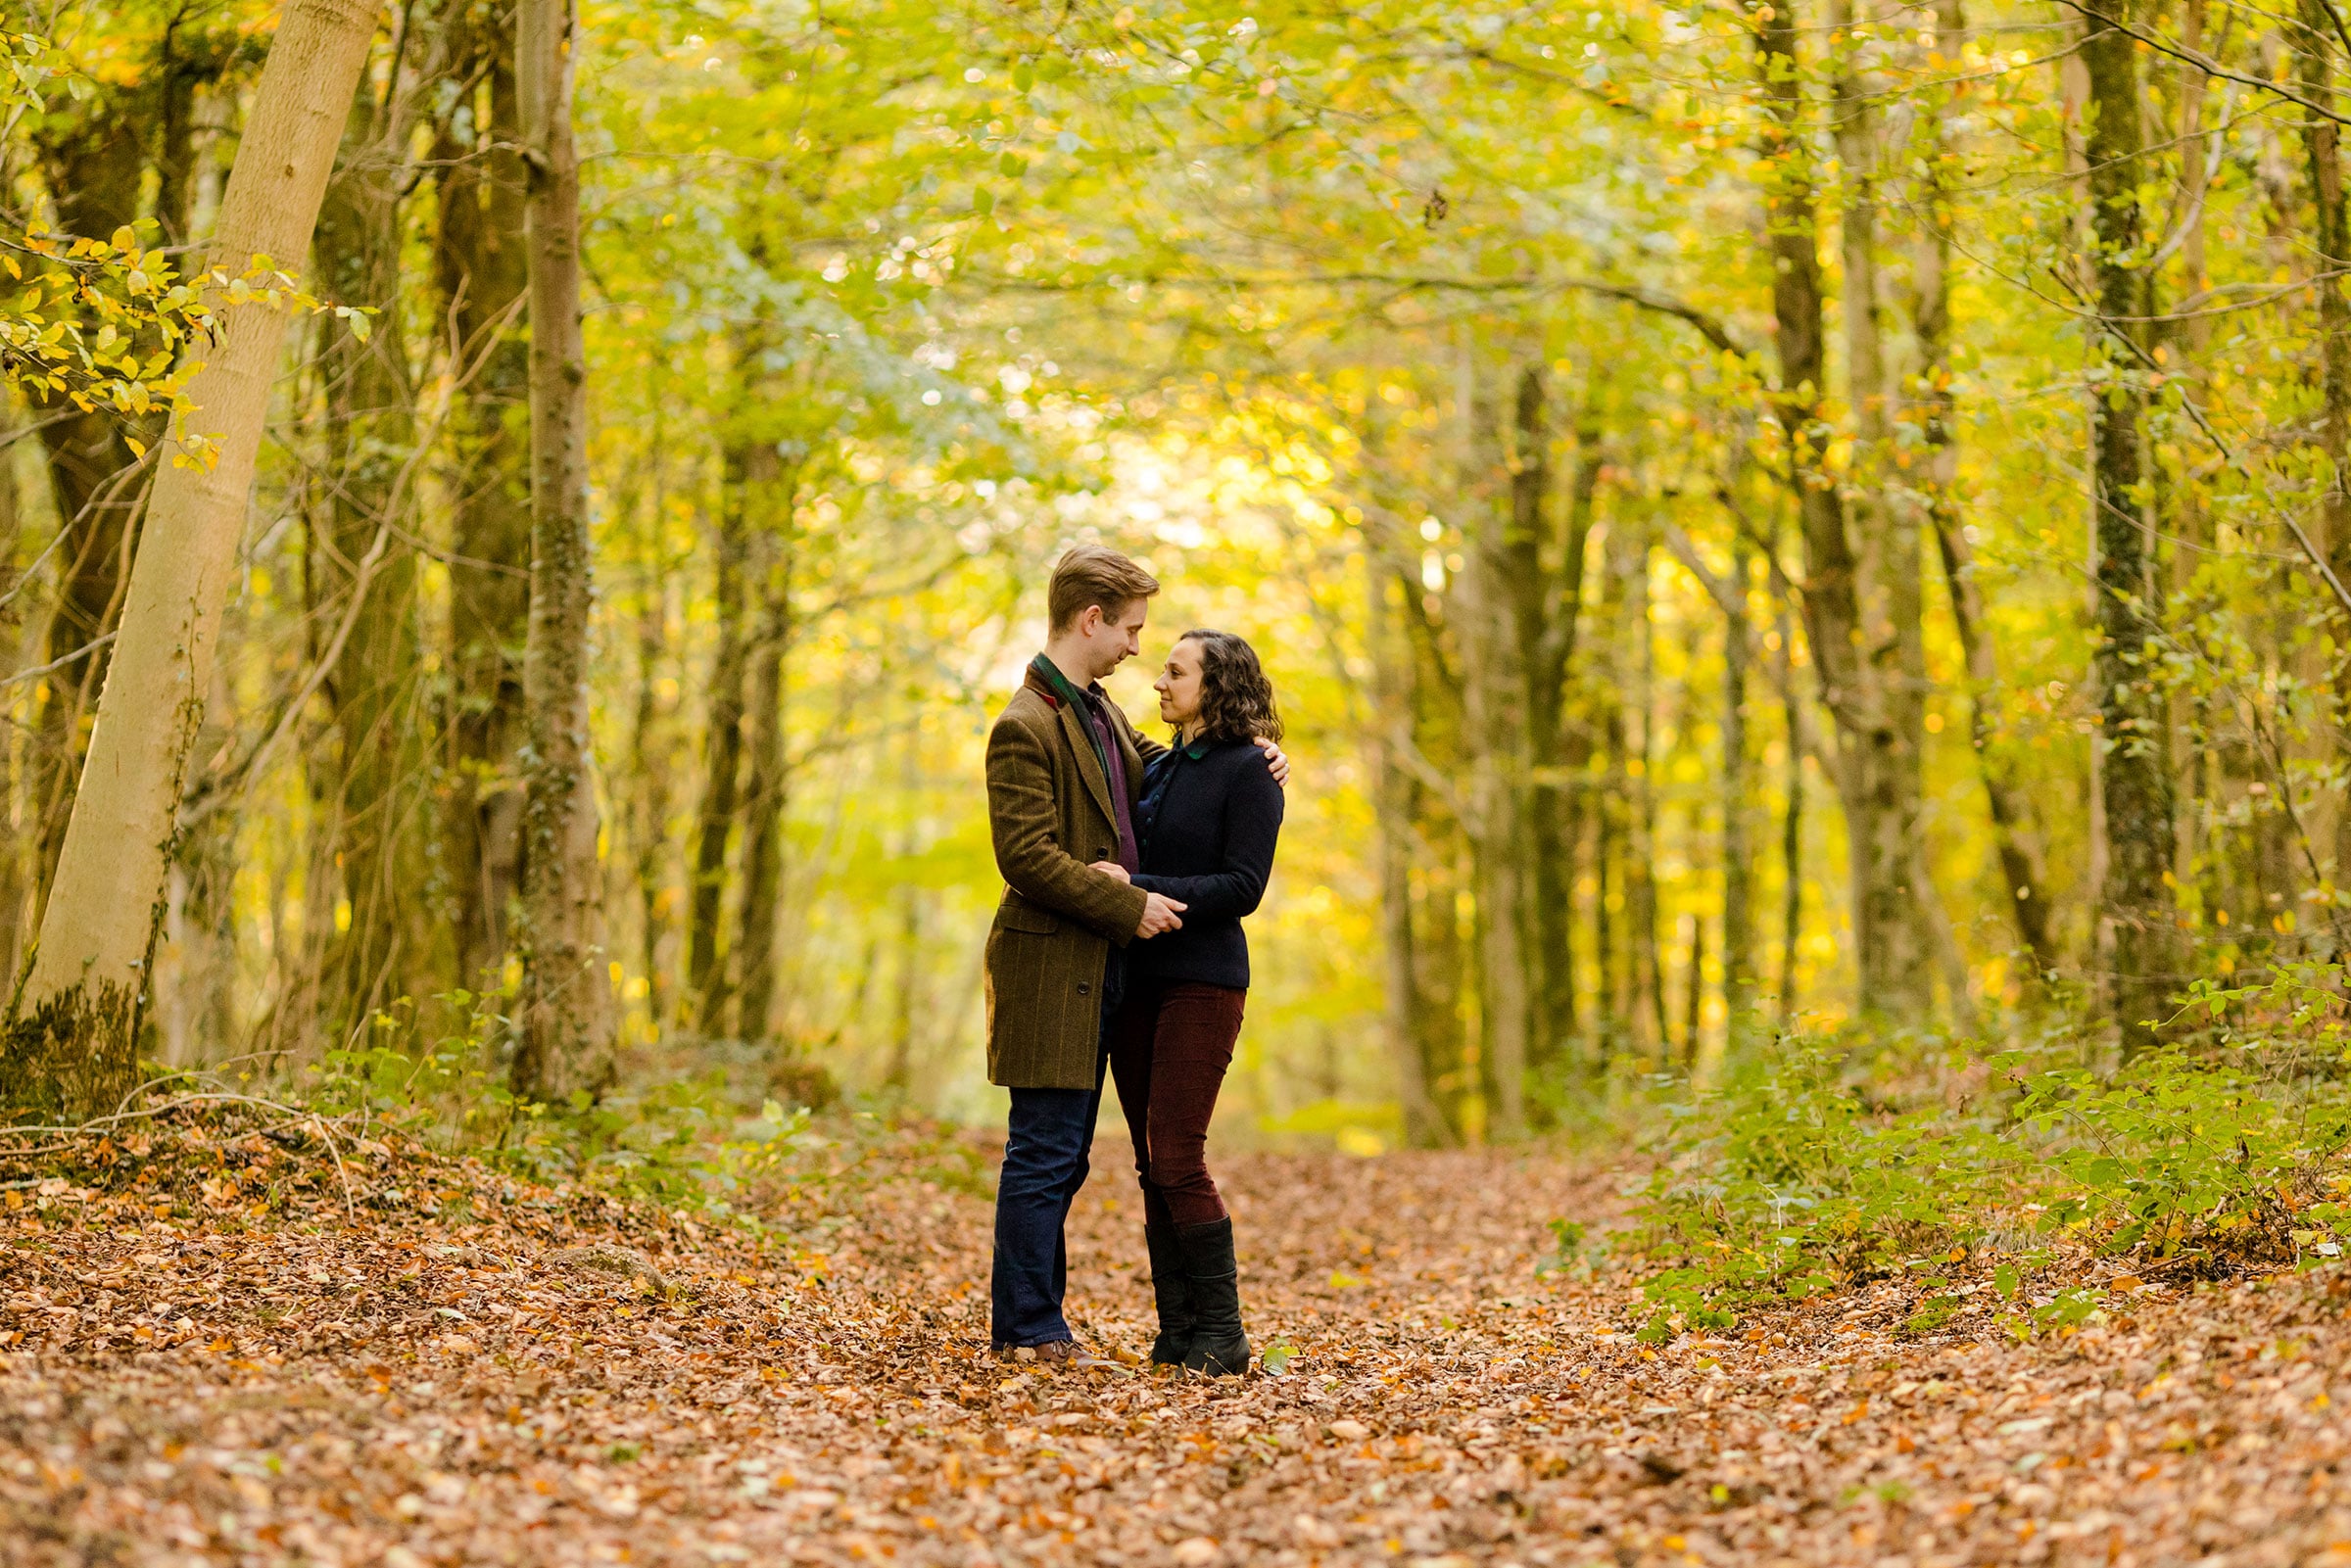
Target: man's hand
{"points": [[1110, 868], [1276, 763], [1160, 913]]}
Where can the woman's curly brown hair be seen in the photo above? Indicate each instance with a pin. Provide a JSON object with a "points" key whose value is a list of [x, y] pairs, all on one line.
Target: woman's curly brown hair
{"points": [[1236, 700]]}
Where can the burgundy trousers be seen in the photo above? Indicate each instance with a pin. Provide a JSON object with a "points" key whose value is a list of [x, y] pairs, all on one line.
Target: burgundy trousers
{"points": [[1169, 1045]]}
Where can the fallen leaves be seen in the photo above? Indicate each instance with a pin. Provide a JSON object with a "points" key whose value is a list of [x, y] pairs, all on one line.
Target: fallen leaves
{"points": [[563, 1378]]}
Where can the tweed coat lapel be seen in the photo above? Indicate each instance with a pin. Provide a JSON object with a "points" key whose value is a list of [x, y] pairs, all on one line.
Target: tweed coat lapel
{"points": [[1090, 762]]}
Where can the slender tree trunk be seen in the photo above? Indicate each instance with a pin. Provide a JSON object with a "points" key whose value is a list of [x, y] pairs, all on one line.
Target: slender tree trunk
{"points": [[72, 1044], [2021, 875], [566, 1042], [648, 767], [2322, 139], [1552, 607], [2136, 782], [1863, 666], [1792, 822], [1641, 798], [1738, 854], [371, 578], [768, 788], [748, 465], [1395, 808], [1493, 686], [1694, 991], [484, 275]]}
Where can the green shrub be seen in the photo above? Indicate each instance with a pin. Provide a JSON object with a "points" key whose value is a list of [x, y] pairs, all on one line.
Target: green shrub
{"points": [[1816, 1164]]}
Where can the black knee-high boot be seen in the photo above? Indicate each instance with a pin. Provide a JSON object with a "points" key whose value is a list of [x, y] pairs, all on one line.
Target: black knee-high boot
{"points": [[1171, 1291], [1218, 1348]]}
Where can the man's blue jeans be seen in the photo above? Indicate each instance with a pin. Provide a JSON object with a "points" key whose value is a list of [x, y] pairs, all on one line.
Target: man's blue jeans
{"points": [[1045, 1150]]}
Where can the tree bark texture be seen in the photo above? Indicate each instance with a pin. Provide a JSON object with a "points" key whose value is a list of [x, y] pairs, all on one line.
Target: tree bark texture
{"points": [[766, 792], [484, 275], [566, 1041], [2133, 740], [746, 466], [369, 579], [2321, 139], [72, 1040]]}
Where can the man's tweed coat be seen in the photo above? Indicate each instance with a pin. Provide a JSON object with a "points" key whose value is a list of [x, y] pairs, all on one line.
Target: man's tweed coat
{"points": [[1050, 812]]}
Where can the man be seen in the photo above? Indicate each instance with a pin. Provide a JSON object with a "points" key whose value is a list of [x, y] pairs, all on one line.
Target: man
{"points": [[1064, 771]]}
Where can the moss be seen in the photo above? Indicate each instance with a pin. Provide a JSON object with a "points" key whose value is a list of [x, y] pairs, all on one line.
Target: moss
{"points": [[74, 1056]]}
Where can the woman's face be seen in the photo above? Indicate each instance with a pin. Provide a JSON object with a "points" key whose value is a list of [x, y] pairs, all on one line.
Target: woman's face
{"points": [[1178, 686]]}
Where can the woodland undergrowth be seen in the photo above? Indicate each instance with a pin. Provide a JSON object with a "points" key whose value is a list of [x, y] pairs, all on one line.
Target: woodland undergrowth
{"points": [[1815, 1162]]}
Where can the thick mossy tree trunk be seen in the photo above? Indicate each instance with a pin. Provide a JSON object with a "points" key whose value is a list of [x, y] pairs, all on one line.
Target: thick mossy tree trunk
{"points": [[1545, 550], [368, 577], [483, 275], [2321, 140], [72, 1043], [565, 1044], [2136, 772]]}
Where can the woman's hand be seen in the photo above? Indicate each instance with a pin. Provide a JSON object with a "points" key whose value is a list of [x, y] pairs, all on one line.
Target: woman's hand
{"points": [[1276, 763], [1111, 868]]}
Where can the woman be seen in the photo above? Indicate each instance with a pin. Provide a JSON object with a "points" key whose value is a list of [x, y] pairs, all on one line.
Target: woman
{"points": [[1206, 825]]}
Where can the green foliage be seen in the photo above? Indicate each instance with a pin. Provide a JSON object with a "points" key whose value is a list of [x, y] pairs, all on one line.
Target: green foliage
{"points": [[682, 1141], [1807, 1170]]}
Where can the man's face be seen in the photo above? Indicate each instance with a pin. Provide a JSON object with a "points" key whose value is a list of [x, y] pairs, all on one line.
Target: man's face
{"points": [[1111, 638]]}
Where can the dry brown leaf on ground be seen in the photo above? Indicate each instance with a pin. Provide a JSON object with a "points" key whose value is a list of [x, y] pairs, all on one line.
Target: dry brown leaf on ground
{"points": [[273, 1384]]}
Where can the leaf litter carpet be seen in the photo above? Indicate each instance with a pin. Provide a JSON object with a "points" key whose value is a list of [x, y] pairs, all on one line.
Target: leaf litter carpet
{"points": [[544, 1376]]}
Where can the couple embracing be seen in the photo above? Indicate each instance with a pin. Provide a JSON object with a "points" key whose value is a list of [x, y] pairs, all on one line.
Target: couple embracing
{"points": [[1129, 867]]}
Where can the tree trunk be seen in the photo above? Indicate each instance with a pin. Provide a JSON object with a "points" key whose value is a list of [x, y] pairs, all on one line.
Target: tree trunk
{"points": [[1551, 568], [2023, 884], [1865, 668], [1738, 854], [1885, 714], [1395, 810], [94, 170], [1495, 722], [370, 578], [2322, 139], [649, 768], [1792, 818], [73, 1044], [767, 793], [483, 275], [566, 1042], [747, 464], [2136, 783]]}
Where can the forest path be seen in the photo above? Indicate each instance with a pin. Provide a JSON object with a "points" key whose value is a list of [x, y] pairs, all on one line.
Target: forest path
{"points": [[480, 1389]]}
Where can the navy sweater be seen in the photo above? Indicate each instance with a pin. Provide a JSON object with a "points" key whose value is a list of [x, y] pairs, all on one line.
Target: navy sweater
{"points": [[1208, 820]]}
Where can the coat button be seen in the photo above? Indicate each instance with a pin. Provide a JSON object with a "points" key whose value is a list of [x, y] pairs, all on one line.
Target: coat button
{"points": [[1101, 854], [1083, 986]]}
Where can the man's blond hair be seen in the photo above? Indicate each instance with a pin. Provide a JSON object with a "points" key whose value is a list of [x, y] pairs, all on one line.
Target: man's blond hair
{"points": [[1093, 575]]}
